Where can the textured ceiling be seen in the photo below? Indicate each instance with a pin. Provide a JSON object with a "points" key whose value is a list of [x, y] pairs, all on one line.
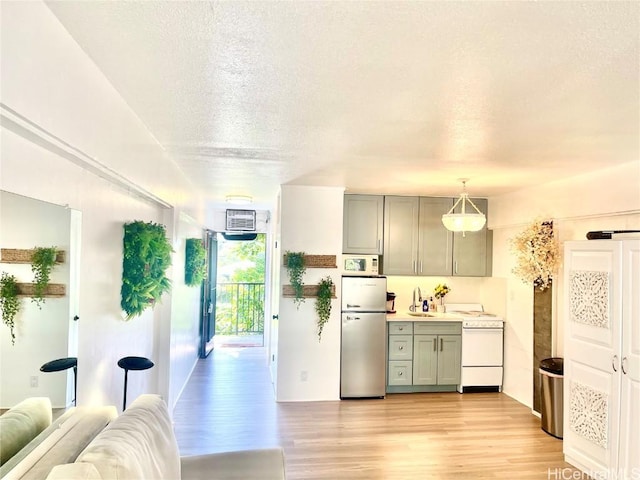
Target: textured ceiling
{"points": [[379, 97]]}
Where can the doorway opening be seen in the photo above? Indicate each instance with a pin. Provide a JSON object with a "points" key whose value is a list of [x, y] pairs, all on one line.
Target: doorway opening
{"points": [[240, 291]]}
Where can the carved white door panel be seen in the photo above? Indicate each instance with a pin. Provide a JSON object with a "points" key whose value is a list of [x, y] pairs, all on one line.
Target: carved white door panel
{"points": [[629, 456], [593, 292]]}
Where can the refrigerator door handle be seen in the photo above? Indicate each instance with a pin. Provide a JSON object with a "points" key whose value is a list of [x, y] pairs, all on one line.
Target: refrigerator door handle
{"points": [[352, 305]]}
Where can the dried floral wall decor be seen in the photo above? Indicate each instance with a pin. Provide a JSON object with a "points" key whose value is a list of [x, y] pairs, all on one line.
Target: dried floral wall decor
{"points": [[537, 254], [195, 265], [146, 257]]}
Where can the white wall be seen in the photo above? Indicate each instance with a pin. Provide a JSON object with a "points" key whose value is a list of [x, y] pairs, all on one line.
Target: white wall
{"points": [[42, 334], [311, 221], [70, 139], [609, 199]]}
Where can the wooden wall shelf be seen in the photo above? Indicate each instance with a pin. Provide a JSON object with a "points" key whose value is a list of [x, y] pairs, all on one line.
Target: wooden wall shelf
{"points": [[23, 255], [308, 291], [53, 290], [317, 261]]}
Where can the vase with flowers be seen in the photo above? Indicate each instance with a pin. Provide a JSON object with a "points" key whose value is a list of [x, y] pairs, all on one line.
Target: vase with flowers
{"points": [[440, 292]]}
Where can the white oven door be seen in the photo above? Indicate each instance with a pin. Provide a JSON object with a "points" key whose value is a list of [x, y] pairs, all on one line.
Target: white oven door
{"points": [[481, 347]]}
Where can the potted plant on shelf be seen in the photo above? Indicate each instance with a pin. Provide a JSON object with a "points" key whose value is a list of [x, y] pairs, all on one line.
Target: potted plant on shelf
{"points": [[9, 301], [294, 262], [323, 303], [42, 261]]}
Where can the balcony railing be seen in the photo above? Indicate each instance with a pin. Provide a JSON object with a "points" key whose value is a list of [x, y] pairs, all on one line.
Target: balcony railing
{"points": [[239, 308]]}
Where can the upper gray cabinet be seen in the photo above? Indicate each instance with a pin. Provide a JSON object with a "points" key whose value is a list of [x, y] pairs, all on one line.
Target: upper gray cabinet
{"points": [[416, 242], [472, 251], [436, 242], [401, 229], [363, 223]]}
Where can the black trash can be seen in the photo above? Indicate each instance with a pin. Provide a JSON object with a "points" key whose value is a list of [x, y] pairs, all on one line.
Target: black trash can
{"points": [[552, 376]]}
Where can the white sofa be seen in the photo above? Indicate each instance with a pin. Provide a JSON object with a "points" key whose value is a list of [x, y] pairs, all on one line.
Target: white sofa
{"points": [[140, 444]]}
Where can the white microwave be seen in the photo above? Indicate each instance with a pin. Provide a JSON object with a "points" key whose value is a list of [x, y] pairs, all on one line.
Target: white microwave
{"points": [[360, 264]]}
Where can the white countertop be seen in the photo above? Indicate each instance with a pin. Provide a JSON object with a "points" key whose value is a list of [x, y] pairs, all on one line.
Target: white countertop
{"points": [[437, 317]]}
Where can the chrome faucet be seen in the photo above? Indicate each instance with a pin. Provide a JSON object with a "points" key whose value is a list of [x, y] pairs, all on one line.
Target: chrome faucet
{"points": [[412, 308]]}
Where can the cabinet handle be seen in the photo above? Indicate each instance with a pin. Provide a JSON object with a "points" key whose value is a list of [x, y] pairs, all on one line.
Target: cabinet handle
{"points": [[400, 347], [415, 266], [441, 343], [613, 363], [455, 267], [399, 374], [435, 344], [420, 266], [624, 359], [401, 328]]}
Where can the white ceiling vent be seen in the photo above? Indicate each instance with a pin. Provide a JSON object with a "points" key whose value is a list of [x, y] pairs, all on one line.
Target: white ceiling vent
{"points": [[241, 220]]}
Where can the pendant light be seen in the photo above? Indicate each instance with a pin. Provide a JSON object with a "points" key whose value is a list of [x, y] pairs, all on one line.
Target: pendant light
{"points": [[463, 221]]}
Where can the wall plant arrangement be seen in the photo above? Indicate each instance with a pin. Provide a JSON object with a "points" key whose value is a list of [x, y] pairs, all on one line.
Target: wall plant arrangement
{"points": [[296, 267], [42, 262], [323, 303], [195, 266], [146, 257], [537, 254], [10, 302]]}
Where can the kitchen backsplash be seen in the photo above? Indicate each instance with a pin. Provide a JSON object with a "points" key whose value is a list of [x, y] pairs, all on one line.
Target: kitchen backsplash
{"points": [[491, 292]]}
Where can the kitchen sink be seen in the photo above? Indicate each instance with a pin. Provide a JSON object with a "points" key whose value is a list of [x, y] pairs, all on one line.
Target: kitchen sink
{"points": [[421, 314]]}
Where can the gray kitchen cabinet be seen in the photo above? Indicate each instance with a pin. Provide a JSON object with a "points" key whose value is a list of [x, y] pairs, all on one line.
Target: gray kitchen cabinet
{"points": [[400, 372], [363, 224], [425, 361], [400, 235], [472, 251], [417, 243], [435, 362], [435, 245], [449, 359]]}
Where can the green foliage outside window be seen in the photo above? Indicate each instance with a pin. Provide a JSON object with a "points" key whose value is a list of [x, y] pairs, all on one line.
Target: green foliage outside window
{"points": [[240, 286]]}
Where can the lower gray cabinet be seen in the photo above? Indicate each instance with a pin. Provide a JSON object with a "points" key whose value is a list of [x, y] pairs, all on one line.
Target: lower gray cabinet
{"points": [[425, 357]]}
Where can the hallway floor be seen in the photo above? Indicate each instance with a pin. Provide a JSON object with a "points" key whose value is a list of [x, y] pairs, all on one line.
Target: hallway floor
{"points": [[229, 405]]}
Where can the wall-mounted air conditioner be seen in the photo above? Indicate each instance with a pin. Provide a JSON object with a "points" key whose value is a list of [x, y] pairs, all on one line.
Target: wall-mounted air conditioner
{"points": [[241, 220]]}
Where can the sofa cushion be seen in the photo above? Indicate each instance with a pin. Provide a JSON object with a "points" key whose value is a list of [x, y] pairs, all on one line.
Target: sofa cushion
{"points": [[264, 464], [139, 444], [74, 471], [63, 444], [21, 424]]}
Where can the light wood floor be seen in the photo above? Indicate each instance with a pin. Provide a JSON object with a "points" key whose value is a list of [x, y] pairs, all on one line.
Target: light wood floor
{"points": [[228, 405]]}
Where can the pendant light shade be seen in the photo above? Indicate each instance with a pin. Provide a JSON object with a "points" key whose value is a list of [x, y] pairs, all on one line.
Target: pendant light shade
{"points": [[463, 221]]}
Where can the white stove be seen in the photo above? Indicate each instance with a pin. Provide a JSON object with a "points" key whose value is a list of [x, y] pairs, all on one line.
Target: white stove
{"points": [[482, 347]]}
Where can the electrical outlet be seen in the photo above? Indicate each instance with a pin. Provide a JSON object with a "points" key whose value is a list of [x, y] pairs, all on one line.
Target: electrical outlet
{"points": [[303, 376], [34, 381]]}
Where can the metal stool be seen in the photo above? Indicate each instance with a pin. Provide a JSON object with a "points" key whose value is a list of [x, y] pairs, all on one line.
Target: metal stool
{"points": [[132, 363], [63, 364]]}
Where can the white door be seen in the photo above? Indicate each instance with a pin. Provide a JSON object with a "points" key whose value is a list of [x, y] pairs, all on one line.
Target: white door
{"points": [[593, 293], [629, 456]]}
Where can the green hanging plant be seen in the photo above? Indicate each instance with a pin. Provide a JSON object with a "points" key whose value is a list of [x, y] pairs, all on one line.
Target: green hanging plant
{"points": [[195, 266], [146, 257], [323, 303], [43, 260], [295, 265], [9, 301]]}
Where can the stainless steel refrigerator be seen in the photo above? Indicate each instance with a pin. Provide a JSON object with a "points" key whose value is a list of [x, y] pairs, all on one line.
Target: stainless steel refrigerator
{"points": [[363, 347]]}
